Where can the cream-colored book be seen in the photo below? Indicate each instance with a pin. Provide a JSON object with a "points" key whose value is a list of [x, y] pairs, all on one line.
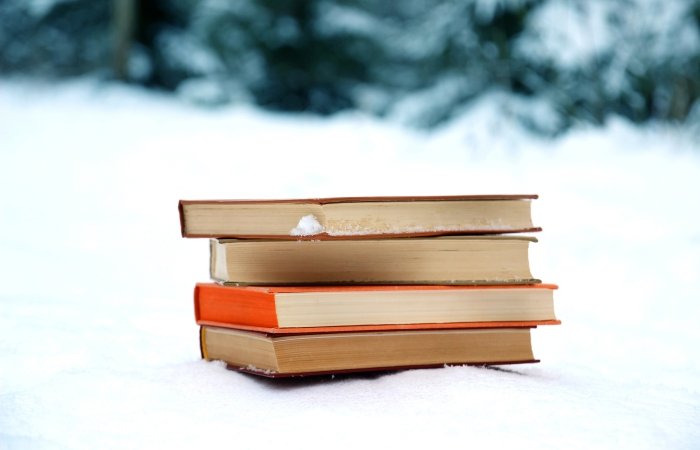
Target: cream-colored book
{"points": [[426, 260]]}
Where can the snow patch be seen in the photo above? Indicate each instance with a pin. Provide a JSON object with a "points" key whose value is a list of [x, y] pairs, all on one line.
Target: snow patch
{"points": [[307, 226], [252, 368]]}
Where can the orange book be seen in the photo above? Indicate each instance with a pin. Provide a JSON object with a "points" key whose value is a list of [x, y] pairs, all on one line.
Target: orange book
{"points": [[319, 309]]}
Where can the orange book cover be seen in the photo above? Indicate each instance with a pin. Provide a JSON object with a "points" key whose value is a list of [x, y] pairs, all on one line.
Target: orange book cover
{"points": [[255, 308]]}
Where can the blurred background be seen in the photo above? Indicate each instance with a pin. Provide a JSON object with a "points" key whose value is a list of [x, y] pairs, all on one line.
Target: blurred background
{"points": [[561, 62]]}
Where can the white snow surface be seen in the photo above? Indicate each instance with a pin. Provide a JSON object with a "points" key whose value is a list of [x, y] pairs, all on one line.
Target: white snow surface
{"points": [[98, 346]]}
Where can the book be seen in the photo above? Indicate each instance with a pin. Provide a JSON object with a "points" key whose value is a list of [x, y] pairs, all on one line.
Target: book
{"points": [[357, 217], [298, 308], [325, 353], [418, 260]]}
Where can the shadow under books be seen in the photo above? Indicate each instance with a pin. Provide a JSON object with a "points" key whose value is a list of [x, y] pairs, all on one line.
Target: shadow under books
{"points": [[303, 381]]}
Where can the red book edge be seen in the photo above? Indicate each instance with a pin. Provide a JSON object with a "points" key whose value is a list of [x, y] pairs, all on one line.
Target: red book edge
{"points": [[247, 307]]}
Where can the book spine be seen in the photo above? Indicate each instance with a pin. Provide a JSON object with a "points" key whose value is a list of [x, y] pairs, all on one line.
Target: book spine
{"points": [[202, 343], [181, 211], [222, 304]]}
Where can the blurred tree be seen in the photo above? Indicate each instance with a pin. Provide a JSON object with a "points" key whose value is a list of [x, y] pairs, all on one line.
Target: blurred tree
{"points": [[419, 62], [636, 58], [162, 43], [124, 18], [457, 50], [281, 53], [50, 38]]}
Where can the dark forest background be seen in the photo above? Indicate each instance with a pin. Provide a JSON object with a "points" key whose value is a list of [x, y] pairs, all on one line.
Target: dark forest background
{"points": [[423, 61]]}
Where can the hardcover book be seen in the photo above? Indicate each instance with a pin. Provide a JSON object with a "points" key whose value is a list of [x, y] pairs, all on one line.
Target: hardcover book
{"points": [[357, 217], [352, 306], [459, 260], [324, 353]]}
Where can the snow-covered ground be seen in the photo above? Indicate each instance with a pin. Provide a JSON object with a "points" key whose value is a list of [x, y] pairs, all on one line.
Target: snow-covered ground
{"points": [[98, 346]]}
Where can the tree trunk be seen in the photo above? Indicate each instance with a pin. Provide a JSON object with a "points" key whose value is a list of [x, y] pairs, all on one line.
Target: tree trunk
{"points": [[124, 18]]}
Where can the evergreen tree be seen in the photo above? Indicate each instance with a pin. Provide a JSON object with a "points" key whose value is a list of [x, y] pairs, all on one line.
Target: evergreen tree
{"points": [[419, 62]]}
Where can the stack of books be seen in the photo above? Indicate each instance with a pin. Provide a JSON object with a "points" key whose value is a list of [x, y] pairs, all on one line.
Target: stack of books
{"points": [[321, 286]]}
